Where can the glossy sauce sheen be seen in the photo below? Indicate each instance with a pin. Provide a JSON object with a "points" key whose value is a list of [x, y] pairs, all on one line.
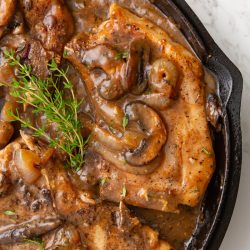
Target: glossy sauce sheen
{"points": [[172, 213], [175, 228]]}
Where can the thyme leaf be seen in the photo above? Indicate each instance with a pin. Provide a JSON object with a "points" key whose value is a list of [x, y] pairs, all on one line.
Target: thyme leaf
{"points": [[9, 213], [47, 98], [103, 181], [205, 151], [36, 240], [125, 122], [124, 191], [122, 55]]}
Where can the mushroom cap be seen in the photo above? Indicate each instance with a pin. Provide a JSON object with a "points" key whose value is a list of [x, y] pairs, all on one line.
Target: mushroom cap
{"points": [[155, 134]]}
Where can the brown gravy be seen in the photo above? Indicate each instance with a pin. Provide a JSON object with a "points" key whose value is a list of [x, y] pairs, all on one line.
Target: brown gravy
{"points": [[175, 228]]}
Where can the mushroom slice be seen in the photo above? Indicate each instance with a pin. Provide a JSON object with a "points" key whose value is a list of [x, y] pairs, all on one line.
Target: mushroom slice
{"points": [[163, 76], [155, 134], [214, 111], [136, 74], [108, 110], [107, 72], [109, 88], [8, 107], [28, 229]]}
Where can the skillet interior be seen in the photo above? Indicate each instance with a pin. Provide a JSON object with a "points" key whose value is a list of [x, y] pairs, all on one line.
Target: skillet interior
{"points": [[218, 204], [213, 205]]}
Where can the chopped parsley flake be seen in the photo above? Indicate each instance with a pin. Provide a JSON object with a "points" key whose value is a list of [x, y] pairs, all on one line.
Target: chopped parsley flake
{"points": [[121, 55], [124, 191], [205, 151], [124, 122], [9, 213]]}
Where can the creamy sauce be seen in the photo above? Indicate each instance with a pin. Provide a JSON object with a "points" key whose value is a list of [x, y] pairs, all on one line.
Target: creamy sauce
{"points": [[175, 228]]}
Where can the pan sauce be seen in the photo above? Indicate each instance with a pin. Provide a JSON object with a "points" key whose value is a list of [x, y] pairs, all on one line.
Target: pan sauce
{"points": [[175, 228]]}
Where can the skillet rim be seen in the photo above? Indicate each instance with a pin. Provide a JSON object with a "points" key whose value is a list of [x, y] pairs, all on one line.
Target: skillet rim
{"points": [[231, 86]]}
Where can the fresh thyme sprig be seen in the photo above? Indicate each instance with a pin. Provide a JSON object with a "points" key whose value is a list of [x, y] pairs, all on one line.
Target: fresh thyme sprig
{"points": [[46, 97], [36, 240]]}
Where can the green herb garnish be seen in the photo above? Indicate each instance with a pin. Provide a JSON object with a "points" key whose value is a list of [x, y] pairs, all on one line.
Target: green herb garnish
{"points": [[65, 53], [205, 151], [47, 98], [122, 55], [195, 190], [103, 181], [111, 127], [9, 213], [124, 191], [124, 161], [36, 240], [124, 122]]}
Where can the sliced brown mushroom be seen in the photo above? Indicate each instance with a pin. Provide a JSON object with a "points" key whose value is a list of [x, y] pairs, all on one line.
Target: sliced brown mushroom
{"points": [[109, 88], [214, 112], [28, 229], [108, 72], [163, 76], [136, 74], [123, 218], [8, 107], [64, 237], [106, 110], [113, 76], [155, 134]]}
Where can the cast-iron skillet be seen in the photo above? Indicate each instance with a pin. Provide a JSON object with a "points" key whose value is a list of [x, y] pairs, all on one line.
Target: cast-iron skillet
{"points": [[219, 201]]}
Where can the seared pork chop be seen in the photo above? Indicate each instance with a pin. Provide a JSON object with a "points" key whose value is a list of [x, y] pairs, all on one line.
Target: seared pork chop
{"points": [[177, 129]]}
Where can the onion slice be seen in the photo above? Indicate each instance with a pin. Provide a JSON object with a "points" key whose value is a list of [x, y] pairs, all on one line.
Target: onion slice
{"points": [[25, 162]]}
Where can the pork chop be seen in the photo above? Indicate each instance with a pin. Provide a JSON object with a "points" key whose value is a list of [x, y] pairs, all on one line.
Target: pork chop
{"points": [[182, 174]]}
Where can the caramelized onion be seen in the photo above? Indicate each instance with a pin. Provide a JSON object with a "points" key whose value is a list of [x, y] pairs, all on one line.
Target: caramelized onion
{"points": [[9, 106], [26, 161]]}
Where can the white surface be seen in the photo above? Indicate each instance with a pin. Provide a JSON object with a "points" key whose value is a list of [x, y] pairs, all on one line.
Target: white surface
{"points": [[228, 21]]}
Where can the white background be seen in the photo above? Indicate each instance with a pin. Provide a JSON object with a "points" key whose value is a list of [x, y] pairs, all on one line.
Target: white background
{"points": [[228, 21]]}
